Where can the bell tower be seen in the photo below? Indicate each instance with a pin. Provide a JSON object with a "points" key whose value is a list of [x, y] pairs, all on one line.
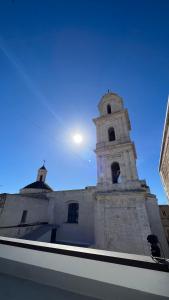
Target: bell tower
{"points": [[125, 210], [116, 155]]}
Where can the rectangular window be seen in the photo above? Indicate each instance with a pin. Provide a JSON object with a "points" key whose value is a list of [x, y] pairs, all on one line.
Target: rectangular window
{"points": [[24, 216], [168, 233], [73, 213]]}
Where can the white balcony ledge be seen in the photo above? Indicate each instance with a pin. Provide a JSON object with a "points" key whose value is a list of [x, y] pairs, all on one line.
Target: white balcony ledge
{"points": [[78, 273]]}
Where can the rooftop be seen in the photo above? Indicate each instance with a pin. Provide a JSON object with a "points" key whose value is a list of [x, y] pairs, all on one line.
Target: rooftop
{"points": [[38, 185]]}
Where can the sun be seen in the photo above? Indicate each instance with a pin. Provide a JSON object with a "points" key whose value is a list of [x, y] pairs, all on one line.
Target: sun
{"points": [[77, 138]]}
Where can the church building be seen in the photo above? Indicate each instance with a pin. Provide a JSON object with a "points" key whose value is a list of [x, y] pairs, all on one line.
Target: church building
{"points": [[117, 214]]}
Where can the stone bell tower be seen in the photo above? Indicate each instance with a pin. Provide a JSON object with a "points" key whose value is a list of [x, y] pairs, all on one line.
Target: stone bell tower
{"points": [[125, 210], [116, 155]]}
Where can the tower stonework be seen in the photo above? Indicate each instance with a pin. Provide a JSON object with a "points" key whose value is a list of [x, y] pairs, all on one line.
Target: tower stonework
{"points": [[123, 203], [114, 147]]}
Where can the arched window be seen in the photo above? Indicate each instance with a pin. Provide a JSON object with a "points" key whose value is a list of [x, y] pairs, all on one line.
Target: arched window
{"points": [[111, 134], [115, 171], [73, 213], [109, 109], [41, 177]]}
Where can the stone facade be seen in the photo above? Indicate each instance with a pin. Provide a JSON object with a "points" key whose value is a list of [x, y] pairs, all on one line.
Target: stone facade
{"points": [[164, 213], [164, 157], [117, 214]]}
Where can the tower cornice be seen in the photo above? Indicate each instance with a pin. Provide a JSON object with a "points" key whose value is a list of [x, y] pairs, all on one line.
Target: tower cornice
{"points": [[109, 117], [103, 148]]}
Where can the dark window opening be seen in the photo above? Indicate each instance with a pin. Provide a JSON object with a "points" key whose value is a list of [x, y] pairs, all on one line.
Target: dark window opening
{"points": [[108, 109], [73, 213], [53, 236], [115, 170], [24, 215], [164, 213], [168, 234], [111, 134], [41, 177]]}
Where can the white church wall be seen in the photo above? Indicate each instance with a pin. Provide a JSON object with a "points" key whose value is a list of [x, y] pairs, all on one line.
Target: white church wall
{"points": [[83, 231], [11, 213]]}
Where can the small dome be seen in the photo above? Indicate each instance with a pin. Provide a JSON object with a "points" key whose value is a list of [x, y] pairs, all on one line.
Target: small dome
{"points": [[38, 185], [43, 168]]}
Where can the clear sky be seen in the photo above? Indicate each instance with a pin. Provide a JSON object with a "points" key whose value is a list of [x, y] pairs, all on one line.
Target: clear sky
{"points": [[57, 58]]}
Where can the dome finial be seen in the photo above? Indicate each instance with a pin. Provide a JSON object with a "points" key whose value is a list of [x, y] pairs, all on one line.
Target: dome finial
{"points": [[43, 166]]}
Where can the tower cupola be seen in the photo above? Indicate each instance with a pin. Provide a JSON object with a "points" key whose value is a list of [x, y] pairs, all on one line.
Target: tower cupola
{"points": [[110, 103], [42, 172]]}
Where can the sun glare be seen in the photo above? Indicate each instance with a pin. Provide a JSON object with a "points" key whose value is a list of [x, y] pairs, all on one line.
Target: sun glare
{"points": [[77, 138]]}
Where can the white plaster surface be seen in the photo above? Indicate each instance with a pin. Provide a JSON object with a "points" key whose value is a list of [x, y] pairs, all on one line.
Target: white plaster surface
{"points": [[91, 278]]}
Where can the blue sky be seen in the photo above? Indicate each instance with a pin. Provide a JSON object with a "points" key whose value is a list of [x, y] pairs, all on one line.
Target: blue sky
{"points": [[57, 58]]}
